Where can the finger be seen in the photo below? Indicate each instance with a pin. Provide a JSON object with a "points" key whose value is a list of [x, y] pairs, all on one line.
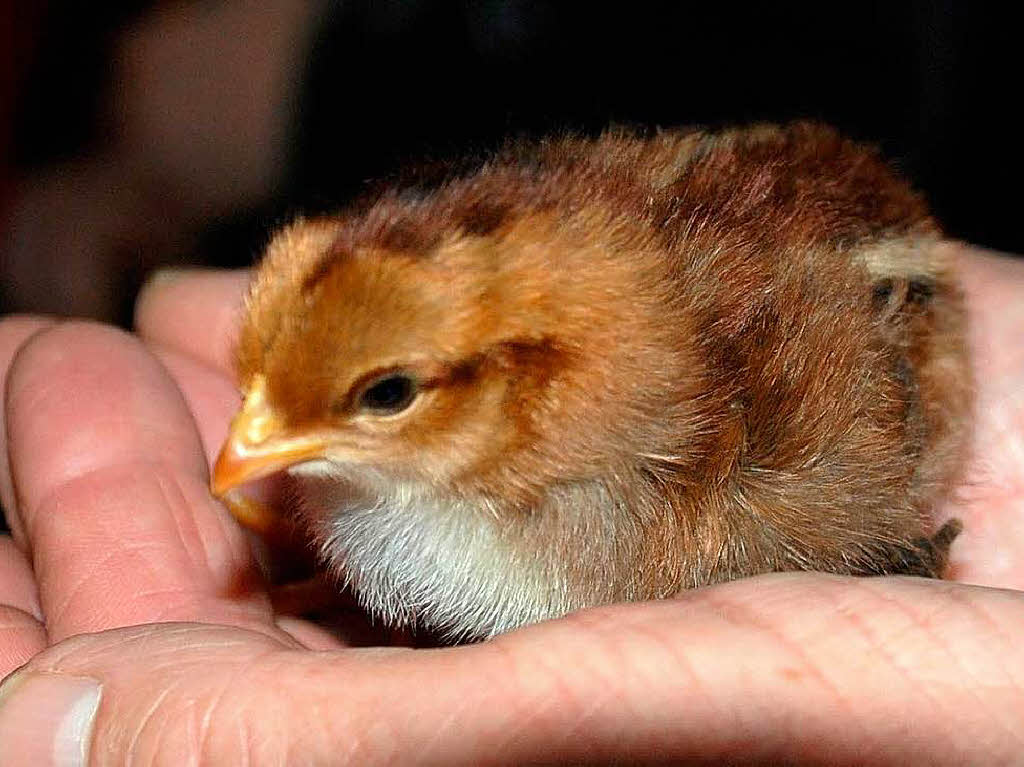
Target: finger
{"points": [[308, 634], [22, 637], [991, 549], [211, 396], [14, 332], [111, 486], [21, 630], [781, 669], [213, 401], [17, 583], [195, 312]]}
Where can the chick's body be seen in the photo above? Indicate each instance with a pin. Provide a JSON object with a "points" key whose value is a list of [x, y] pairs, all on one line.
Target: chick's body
{"points": [[610, 369]]}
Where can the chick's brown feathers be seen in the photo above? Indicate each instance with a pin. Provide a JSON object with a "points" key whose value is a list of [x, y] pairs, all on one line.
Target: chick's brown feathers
{"points": [[604, 369]]}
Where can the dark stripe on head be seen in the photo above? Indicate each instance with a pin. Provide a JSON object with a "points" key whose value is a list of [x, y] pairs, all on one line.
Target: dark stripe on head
{"points": [[482, 218], [338, 252]]}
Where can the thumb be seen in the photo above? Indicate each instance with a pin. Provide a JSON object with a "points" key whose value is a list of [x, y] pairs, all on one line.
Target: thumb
{"points": [[780, 669]]}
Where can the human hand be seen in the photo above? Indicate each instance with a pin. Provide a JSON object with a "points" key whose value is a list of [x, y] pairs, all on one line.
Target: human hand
{"points": [[127, 575]]}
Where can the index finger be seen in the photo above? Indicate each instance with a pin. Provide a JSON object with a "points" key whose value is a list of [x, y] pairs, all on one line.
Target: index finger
{"points": [[110, 482], [14, 332], [195, 312]]}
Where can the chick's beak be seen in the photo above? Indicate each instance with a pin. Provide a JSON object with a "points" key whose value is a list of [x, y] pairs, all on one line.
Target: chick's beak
{"points": [[258, 444]]}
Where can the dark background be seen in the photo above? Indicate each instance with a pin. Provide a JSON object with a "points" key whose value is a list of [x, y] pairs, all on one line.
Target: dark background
{"points": [[146, 133]]}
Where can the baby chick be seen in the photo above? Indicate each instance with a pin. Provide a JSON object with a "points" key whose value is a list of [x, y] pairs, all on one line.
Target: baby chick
{"points": [[594, 370]]}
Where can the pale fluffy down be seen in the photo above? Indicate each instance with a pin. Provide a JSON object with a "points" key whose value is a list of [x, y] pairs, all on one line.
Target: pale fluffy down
{"points": [[413, 558]]}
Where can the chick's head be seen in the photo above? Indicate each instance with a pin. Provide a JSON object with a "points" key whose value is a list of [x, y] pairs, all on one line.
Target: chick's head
{"points": [[418, 349]]}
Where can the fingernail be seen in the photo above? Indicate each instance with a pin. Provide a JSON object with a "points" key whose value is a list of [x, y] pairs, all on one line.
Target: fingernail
{"points": [[47, 719]]}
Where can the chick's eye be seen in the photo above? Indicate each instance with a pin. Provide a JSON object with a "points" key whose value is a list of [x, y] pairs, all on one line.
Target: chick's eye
{"points": [[388, 395]]}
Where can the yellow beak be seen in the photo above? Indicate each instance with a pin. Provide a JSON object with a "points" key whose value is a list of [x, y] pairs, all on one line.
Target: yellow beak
{"points": [[258, 445]]}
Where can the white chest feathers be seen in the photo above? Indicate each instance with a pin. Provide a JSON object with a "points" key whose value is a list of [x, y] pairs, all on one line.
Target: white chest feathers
{"points": [[412, 557]]}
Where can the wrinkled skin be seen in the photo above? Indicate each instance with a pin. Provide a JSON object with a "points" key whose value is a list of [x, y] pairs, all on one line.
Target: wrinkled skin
{"points": [[122, 568]]}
